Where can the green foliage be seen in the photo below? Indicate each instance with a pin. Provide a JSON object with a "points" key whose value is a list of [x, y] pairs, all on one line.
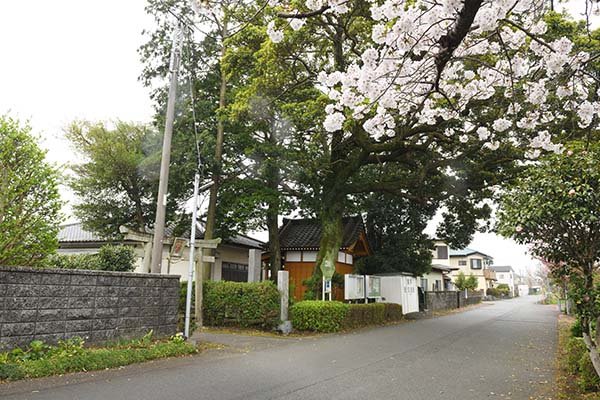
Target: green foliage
{"points": [[333, 316], [504, 289], [576, 329], [495, 292], [360, 315], [70, 355], [393, 312], [109, 258], [471, 282], [461, 282], [116, 258], [241, 304], [588, 379], [318, 316], [29, 199], [575, 351], [117, 183]]}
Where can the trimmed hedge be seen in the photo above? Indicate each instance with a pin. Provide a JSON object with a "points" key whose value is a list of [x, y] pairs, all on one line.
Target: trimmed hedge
{"points": [[318, 316], [333, 316], [241, 304], [360, 315], [393, 312]]}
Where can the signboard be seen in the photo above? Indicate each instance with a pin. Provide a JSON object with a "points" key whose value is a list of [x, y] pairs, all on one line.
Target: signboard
{"points": [[354, 287], [327, 286], [328, 269], [373, 286]]}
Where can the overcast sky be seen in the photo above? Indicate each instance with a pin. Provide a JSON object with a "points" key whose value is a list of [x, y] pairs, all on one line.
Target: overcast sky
{"points": [[71, 59]]}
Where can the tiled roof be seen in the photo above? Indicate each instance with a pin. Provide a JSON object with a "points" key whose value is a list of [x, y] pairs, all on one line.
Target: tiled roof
{"points": [[465, 252], [75, 233], [306, 233]]}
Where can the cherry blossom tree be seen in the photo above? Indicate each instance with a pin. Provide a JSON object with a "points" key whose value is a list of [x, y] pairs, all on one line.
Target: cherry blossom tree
{"points": [[455, 79]]}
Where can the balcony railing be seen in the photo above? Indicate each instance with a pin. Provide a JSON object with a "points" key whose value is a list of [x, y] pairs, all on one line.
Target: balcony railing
{"points": [[489, 274]]}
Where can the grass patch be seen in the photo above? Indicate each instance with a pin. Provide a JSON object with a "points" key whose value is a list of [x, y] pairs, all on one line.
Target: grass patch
{"points": [[40, 360], [570, 381]]}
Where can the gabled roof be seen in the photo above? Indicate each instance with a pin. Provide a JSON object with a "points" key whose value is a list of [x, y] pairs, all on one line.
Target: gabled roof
{"points": [[465, 252], [501, 268], [76, 233], [305, 234]]}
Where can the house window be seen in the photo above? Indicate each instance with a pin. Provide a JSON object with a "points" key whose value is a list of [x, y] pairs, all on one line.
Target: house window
{"points": [[500, 276], [441, 252], [349, 259], [462, 263], [476, 263], [234, 272], [424, 283], [437, 287]]}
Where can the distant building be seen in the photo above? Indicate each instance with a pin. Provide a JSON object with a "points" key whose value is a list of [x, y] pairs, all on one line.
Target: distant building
{"points": [[468, 261], [505, 274], [231, 258]]}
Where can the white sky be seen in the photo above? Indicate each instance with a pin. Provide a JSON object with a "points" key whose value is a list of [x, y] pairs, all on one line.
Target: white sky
{"points": [[71, 59]]}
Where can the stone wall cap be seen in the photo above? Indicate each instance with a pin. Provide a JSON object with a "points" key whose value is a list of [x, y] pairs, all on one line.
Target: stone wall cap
{"points": [[85, 272]]}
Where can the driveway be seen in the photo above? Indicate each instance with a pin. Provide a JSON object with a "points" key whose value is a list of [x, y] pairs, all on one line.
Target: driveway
{"points": [[502, 350]]}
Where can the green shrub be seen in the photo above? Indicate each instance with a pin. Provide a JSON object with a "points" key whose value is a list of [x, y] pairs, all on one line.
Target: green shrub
{"points": [[575, 350], [318, 316], [109, 258], [241, 304], [503, 289], [493, 292], [393, 312], [72, 261], [364, 314], [116, 258], [332, 316], [588, 379], [576, 329]]}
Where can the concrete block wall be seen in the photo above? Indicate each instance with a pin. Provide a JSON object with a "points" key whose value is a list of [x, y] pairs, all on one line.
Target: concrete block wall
{"points": [[99, 306], [448, 300]]}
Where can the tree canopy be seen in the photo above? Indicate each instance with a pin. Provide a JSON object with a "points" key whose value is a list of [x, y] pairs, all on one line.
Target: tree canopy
{"points": [[554, 208], [29, 198]]}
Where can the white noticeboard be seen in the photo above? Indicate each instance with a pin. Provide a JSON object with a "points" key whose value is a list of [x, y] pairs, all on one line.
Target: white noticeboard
{"points": [[354, 287], [373, 286]]}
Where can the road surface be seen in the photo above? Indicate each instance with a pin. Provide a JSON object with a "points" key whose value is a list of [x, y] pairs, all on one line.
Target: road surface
{"points": [[502, 350]]}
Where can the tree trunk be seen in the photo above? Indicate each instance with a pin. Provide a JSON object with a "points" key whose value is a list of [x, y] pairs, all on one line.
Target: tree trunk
{"points": [[332, 212], [274, 245], [209, 231]]}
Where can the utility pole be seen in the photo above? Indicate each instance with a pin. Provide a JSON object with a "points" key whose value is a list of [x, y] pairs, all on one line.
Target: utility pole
{"points": [[161, 199]]}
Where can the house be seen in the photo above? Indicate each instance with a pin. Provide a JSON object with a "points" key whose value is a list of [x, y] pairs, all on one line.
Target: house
{"points": [[505, 274], [438, 279], [300, 242], [468, 261], [231, 258]]}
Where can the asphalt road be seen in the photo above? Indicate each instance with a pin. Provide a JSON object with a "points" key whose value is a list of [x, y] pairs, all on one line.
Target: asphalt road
{"points": [[503, 350]]}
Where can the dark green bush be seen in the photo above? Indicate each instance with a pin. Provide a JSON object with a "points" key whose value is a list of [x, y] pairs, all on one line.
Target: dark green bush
{"points": [[503, 289], [576, 329], [393, 312], [332, 316], [588, 379], [494, 292], [241, 304], [109, 258], [364, 314], [575, 351], [318, 316], [116, 258]]}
